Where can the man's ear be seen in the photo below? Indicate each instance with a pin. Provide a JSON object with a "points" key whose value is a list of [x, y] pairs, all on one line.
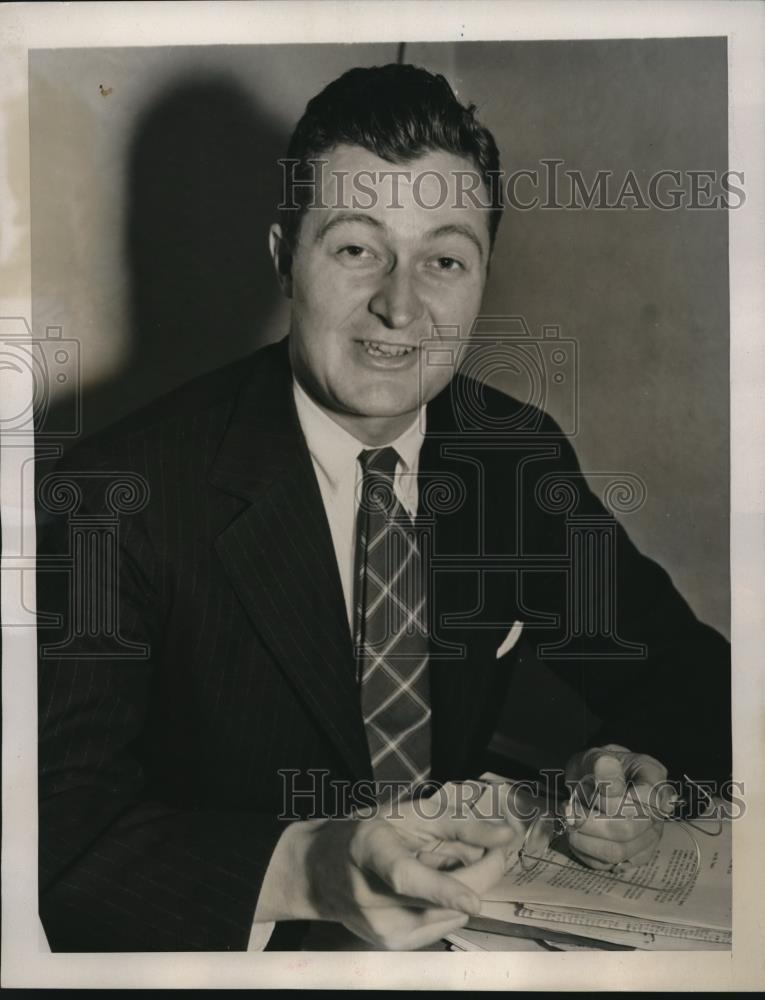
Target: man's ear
{"points": [[282, 258]]}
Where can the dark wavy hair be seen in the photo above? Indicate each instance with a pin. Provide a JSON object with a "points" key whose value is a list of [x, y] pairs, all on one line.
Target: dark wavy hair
{"points": [[396, 112]]}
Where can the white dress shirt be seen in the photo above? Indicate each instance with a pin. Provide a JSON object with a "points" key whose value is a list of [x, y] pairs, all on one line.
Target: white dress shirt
{"points": [[334, 453]]}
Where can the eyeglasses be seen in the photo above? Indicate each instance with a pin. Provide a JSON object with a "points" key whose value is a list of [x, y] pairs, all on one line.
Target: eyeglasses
{"points": [[545, 830]]}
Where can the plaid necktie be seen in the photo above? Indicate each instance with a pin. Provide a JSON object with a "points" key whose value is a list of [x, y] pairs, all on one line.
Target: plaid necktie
{"points": [[391, 628]]}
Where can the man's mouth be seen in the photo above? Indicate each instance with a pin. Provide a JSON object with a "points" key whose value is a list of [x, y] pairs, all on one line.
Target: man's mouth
{"points": [[381, 349]]}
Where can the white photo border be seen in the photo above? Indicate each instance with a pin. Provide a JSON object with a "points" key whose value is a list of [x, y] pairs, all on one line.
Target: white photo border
{"points": [[51, 25]]}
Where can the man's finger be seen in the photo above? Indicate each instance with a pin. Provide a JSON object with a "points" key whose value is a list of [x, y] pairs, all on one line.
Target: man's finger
{"points": [[643, 768], [614, 827], [486, 832], [650, 779], [484, 874], [393, 927], [451, 851], [441, 862], [657, 797], [421, 886], [612, 851], [610, 778], [643, 858], [389, 858], [591, 861], [430, 932]]}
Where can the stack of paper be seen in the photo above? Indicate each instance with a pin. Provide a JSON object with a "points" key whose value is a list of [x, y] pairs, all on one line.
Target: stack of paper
{"points": [[678, 914], [468, 939]]}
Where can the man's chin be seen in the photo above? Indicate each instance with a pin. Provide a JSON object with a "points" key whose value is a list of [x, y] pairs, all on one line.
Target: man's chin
{"points": [[385, 411], [389, 402]]}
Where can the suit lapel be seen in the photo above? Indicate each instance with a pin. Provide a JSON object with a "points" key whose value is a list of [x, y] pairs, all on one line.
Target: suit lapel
{"points": [[280, 558], [462, 655]]}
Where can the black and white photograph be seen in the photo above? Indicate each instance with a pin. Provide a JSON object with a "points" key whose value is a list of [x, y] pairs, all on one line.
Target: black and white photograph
{"points": [[383, 494]]}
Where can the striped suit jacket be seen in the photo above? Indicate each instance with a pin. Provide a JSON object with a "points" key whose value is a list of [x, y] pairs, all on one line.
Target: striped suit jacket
{"points": [[173, 738]]}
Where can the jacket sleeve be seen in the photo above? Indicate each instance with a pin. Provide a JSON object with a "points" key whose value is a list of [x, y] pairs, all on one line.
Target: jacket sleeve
{"points": [[120, 869], [652, 676]]}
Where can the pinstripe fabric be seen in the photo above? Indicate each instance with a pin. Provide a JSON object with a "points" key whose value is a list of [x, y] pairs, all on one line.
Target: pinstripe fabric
{"points": [[159, 789], [161, 796]]}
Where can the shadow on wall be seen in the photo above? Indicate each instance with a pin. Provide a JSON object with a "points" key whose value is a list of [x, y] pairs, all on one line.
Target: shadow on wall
{"points": [[202, 189]]}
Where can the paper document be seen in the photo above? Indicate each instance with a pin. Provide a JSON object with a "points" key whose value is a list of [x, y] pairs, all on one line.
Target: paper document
{"points": [[703, 902], [499, 918]]}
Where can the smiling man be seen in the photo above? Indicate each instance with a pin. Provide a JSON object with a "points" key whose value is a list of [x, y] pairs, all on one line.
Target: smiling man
{"points": [[369, 286], [317, 603]]}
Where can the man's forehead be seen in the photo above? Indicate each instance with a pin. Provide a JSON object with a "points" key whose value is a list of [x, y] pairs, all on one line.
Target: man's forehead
{"points": [[439, 189], [431, 165]]}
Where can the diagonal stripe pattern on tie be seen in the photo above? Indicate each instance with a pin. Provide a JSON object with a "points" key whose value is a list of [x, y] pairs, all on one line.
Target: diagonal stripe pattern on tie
{"points": [[391, 633]]}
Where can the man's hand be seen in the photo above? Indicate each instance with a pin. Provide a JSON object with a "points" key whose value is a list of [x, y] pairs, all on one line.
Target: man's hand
{"points": [[613, 812], [382, 878]]}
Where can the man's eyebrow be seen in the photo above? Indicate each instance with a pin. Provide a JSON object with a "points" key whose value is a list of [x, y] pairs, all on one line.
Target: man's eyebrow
{"points": [[457, 229], [342, 217], [448, 229]]}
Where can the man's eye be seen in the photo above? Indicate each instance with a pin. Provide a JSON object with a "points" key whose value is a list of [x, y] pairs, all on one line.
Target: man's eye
{"points": [[448, 264], [355, 252]]}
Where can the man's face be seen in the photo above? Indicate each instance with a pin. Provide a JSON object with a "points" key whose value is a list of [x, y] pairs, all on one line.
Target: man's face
{"points": [[369, 284]]}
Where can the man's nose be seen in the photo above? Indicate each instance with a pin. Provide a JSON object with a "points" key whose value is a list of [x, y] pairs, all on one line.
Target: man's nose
{"points": [[396, 301]]}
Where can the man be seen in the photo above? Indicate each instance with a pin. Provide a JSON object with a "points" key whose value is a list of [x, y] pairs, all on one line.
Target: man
{"points": [[339, 541]]}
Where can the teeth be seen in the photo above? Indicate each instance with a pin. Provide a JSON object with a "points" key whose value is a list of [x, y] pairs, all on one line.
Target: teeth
{"points": [[380, 350]]}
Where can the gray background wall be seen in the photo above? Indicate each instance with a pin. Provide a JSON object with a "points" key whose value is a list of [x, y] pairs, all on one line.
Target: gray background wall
{"points": [[151, 202]]}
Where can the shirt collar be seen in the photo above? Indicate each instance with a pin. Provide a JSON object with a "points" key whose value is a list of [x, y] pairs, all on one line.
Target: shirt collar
{"points": [[335, 451]]}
